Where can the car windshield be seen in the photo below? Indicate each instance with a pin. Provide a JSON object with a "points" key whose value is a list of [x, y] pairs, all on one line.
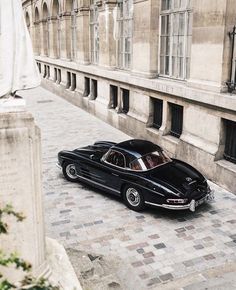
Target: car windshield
{"points": [[150, 161]]}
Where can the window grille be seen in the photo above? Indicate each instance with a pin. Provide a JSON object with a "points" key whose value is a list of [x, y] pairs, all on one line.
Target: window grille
{"points": [[94, 32], [232, 82], [125, 31], [176, 120], [230, 141], [113, 96], [157, 113], [175, 38], [125, 101]]}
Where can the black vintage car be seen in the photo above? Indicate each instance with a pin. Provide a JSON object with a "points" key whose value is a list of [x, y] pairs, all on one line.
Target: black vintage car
{"points": [[138, 171]]}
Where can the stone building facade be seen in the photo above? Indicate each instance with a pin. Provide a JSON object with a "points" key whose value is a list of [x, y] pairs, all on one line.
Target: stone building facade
{"points": [[163, 70]]}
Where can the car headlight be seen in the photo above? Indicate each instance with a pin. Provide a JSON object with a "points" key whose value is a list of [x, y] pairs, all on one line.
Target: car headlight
{"points": [[177, 200]]}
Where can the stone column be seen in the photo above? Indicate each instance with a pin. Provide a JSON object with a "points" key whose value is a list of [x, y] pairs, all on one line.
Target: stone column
{"points": [[37, 38], [83, 55], [63, 39], [107, 41], [20, 183], [54, 36], [145, 37], [67, 21]]}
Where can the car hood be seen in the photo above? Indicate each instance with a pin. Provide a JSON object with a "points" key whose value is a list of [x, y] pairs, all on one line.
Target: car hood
{"points": [[177, 177]]}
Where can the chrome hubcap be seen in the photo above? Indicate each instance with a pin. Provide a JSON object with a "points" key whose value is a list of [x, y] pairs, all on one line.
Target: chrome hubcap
{"points": [[133, 196], [71, 171]]}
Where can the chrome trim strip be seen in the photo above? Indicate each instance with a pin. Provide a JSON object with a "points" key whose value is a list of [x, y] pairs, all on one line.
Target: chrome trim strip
{"points": [[207, 198], [99, 184], [176, 207], [58, 166]]}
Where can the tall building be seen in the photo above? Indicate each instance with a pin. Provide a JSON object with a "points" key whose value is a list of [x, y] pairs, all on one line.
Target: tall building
{"points": [[163, 70]]}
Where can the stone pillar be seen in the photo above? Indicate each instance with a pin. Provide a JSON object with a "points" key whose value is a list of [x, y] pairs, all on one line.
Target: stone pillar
{"points": [[64, 36], [67, 21], [208, 39], [37, 38], [145, 37], [54, 49], [83, 55], [20, 183], [45, 37], [107, 41]]}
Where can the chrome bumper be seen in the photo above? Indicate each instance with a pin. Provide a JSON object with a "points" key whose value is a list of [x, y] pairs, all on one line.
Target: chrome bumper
{"points": [[191, 206], [58, 165]]}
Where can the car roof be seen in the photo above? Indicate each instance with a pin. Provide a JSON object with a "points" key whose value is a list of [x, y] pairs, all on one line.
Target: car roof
{"points": [[136, 147]]}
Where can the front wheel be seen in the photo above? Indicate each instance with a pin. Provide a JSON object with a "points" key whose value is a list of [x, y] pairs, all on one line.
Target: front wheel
{"points": [[69, 171], [133, 198]]}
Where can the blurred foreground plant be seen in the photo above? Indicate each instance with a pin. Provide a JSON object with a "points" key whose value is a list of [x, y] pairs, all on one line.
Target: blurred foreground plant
{"points": [[12, 259]]}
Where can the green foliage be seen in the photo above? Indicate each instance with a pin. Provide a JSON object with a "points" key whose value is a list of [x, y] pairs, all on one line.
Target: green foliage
{"points": [[29, 282]]}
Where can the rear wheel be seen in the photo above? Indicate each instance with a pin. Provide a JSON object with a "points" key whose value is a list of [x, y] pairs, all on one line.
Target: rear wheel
{"points": [[69, 171], [133, 198]]}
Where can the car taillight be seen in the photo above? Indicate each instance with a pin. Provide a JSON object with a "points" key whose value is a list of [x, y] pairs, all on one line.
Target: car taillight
{"points": [[177, 200]]}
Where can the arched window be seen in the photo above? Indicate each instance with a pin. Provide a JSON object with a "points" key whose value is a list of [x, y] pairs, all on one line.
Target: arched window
{"points": [[45, 29], [94, 32], [37, 31], [56, 28]]}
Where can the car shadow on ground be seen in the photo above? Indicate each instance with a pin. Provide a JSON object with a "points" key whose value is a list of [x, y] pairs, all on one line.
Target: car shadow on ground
{"points": [[157, 212]]}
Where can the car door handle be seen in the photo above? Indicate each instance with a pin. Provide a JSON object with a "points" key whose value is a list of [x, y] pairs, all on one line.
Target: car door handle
{"points": [[115, 174]]}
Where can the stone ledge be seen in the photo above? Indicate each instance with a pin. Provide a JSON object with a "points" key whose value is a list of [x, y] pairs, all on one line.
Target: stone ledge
{"points": [[63, 274]]}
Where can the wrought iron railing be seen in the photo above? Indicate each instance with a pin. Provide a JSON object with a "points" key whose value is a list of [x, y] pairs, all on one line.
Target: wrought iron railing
{"points": [[231, 84]]}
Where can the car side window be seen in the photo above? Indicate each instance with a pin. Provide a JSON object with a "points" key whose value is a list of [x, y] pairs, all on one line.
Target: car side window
{"points": [[115, 158]]}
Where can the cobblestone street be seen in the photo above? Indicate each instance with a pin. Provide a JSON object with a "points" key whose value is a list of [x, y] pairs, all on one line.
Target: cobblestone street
{"points": [[156, 249]]}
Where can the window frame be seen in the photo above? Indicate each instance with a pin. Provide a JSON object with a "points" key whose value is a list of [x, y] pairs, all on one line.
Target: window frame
{"points": [[229, 126], [124, 18], [105, 156], [186, 44], [154, 102], [94, 32], [173, 106]]}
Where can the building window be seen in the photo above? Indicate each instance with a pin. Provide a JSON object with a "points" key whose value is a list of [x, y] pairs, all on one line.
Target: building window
{"points": [[45, 71], [39, 66], [175, 38], [58, 76], [73, 81], [86, 87], [230, 141], [73, 29], [68, 84], [113, 97], [125, 101], [48, 71], [94, 90], [176, 112], [157, 113], [55, 74], [125, 28], [94, 32]]}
